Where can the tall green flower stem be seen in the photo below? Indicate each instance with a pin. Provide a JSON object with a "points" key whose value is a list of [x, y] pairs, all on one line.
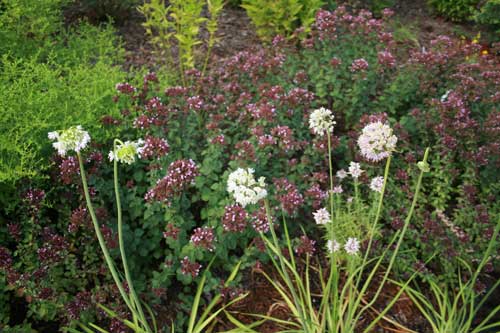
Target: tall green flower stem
{"points": [[131, 304], [330, 167], [100, 238], [136, 303]]}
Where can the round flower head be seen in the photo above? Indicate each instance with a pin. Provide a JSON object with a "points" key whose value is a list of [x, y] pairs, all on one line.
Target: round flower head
{"points": [[332, 246], [341, 174], [355, 170], [244, 188], [377, 142], [352, 246], [127, 152], [322, 216], [74, 138], [377, 184], [321, 121]]}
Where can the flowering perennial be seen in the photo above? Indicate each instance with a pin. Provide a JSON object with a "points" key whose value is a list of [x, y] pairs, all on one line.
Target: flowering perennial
{"points": [[74, 138], [377, 142], [355, 170], [377, 184], [332, 246], [234, 219], [321, 121], [180, 174], [127, 152], [352, 246], [322, 216], [244, 188], [203, 237]]}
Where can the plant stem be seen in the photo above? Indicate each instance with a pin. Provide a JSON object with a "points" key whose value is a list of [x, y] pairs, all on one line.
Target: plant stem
{"points": [[134, 298], [100, 238]]}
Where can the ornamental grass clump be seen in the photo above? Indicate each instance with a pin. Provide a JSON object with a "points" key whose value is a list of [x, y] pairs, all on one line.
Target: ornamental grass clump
{"points": [[347, 286]]}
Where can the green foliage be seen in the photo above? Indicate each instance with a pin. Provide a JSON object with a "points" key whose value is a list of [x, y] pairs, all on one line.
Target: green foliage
{"points": [[489, 14], [25, 25], [74, 85], [456, 10], [179, 24], [281, 17]]}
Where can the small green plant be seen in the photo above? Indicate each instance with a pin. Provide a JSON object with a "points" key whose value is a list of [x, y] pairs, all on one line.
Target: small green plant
{"points": [[179, 24], [454, 306], [456, 10], [281, 17]]}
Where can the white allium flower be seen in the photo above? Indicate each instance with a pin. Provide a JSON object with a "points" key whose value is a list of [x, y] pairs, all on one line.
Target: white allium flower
{"points": [[376, 184], [73, 138], [321, 121], [127, 152], [332, 246], [341, 174], [350, 200], [338, 189], [352, 246], [244, 188], [376, 141], [355, 170], [322, 216]]}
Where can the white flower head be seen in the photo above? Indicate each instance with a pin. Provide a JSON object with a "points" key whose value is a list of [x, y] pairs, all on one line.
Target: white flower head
{"points": [[73, 138], [338, 189], [352, 246], [355, 170], [377, 184], [127, 152], [341, 174], [332, 246], [321, 121], [322, 216], [244, 188], [377, 141]]}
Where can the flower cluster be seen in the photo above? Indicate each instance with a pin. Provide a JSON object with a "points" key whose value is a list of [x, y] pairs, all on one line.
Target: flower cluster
{"points": [[351, 247], [154, 147], [127, 151], [244, 188], [259, 220], [306, 246], [359, 65], [376, 141], [234, 218], [321, 121], [288, 195], [74, 138], [322, 216], [355, 170], [203, 237], [190, 268], [180, 174], [377, 184]]}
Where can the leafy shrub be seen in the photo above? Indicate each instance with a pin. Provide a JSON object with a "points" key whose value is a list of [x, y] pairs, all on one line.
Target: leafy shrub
{"points": [[36, 96], [489, 14], [179, 24], [456, 10], [282, 17], [26, 24]]}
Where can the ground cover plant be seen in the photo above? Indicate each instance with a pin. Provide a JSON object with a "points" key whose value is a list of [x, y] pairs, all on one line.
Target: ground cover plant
{"points": [[242, 164]]}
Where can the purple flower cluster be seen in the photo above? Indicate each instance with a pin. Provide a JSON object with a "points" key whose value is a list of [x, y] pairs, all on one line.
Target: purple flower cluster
{"points": [[234, 218], [190, 268], [288, 195], [203, 237], [180, 174], [154, 147]]}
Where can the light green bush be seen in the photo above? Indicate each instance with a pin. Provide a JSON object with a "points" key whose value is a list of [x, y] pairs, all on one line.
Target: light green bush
{"points": [[281, 17]]}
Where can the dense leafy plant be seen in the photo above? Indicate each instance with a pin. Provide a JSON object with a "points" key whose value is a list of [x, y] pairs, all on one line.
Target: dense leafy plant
{"points": [[456, 10], [179, 24], [27, 24], [489, 14], [282, 17]]}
